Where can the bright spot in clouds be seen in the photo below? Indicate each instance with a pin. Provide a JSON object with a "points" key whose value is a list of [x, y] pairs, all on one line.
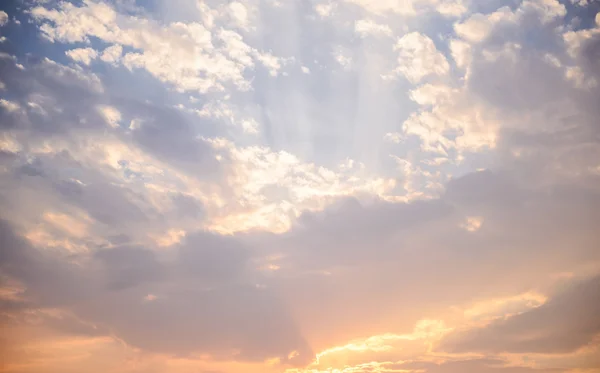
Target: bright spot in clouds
{"points": [[472, 223], [299, 187]]}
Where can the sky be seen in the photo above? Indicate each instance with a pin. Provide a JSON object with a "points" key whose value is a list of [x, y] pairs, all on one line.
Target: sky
{"points": [[300, 186]]}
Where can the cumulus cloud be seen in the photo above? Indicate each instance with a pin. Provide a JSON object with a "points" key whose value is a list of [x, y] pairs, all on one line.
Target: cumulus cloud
{"points": [[83, 55], [365, 27], [418, 57], [195, 63], [3, 18], [412, 8], [112, 54]]}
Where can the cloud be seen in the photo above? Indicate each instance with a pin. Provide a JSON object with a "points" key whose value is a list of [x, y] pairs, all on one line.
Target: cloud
{"points": [[366, 27], [479, 365], [112, 54], [564, 324], [82, 55], [129, 266], [478, 26], [284, 187], [3, 18], [111, 115], [414, 7], [205, 313], [418, 57], [191, 56]]}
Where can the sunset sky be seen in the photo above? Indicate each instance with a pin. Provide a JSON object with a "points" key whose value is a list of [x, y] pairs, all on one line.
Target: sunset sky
{"points": [[300, 186]]}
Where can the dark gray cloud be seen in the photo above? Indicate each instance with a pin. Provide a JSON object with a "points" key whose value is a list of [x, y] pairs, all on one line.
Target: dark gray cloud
{"points": [[213, 258], [50, 280], [212, 311], [129, 266], [567, 322], [339, 234], [187, 206], [421, 261], [172, 137]]}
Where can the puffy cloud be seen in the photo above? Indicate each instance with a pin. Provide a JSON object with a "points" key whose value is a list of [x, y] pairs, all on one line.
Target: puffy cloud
{"points": [[239, 12], [186, 55], [366, 27], [450, 8], [3, 18], [111, 115], [419, 58], [9, 106], [289, 185], [477, 27], [83, 55], [112, 54]]}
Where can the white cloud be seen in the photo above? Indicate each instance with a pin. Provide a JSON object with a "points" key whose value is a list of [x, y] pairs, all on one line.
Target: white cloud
{"points": [[453, 8], [9, 106], [385, 6], [324, 10], [183, 54], [343, 59], [575, 39], [552, 60], [577, 76], [472, 223], [112, 54], [3, 18], [394, 137], [250, 126], [478, 26], [431, 94], [461, 52], [419, 58], [412, 8], [82, 55], [452, 123], [225, 111], [272, 63], [274, 187], [8, 143], [548, 10], [110, 114], [75, 24], [239, 13], [366, 27]]}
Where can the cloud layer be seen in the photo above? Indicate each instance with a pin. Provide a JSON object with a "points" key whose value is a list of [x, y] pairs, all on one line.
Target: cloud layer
{"points": [[300, 187]]}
